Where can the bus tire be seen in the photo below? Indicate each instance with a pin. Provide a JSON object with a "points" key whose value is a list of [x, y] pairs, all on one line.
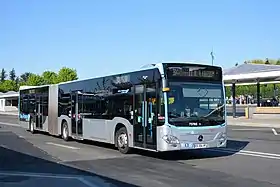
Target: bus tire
{"points": [[65, 131], [122, 140], [31, 126]]}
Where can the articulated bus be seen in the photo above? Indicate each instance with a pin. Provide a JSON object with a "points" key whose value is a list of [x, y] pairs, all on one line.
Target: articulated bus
{"points": [[164, 107]]}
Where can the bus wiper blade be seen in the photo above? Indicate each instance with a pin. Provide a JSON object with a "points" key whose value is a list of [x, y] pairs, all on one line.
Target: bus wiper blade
{"points": [[218, 108]]}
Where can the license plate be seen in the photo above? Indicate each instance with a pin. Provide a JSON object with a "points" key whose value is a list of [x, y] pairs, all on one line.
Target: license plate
{"points": [[199, 146]]}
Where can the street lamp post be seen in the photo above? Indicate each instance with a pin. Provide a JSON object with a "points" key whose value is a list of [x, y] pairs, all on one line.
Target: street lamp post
{"points": [[212, 57]]}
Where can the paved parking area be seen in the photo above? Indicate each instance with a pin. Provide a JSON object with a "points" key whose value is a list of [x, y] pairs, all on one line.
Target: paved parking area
{"points": [[25, 165], [251, 159]]}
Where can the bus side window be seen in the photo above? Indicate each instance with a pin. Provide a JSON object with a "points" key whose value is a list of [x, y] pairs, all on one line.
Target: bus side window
{"points": [[121, 105]]}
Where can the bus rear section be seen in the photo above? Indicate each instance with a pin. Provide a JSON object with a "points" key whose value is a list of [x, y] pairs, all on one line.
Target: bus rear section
{"points": [[38, 108]]}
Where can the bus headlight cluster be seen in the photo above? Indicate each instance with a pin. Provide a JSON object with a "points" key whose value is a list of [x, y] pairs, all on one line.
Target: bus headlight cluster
{"points": [[170, 139]]}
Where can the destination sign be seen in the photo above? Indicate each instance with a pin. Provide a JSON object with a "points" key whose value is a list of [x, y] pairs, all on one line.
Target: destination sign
{"points": [[195, 72]]}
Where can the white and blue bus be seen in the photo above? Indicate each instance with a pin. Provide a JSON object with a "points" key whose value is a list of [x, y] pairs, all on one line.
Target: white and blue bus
{"points": [[166, 107]]}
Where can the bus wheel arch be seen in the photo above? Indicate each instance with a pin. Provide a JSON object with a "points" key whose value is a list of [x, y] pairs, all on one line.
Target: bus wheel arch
{"points": [[121, 138], [64, 130]]}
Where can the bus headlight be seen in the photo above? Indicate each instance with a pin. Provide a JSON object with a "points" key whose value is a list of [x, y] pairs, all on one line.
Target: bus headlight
{"points": [[170, 139]]}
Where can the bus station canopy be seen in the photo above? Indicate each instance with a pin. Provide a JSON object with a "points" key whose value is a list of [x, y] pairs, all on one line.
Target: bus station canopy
{"points": [[9, 94], [248, 74]]}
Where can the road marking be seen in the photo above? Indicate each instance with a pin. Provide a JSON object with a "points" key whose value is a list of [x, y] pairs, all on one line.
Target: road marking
{"points": [[252, 124], [10, 124], [86, 182], [43, 175], [261, 153], [4, 146], [249, 153], [252, 129], [274, 132], [49, 175], [61, 145]]}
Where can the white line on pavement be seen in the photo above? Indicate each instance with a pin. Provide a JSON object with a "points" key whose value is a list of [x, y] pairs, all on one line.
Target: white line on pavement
{"points": [[43, 175], [4, 146], [10, 124], [252, 129], [249, 153], [260, 153], [86, 182], [252, 124], [274, 132], [61, 145]]}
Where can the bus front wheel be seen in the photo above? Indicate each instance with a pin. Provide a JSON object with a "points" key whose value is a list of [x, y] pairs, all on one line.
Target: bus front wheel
{"points": [[122, 140]]}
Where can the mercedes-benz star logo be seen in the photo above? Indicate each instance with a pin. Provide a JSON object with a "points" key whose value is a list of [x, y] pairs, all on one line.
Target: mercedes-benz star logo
{"points": [[200, 138]]}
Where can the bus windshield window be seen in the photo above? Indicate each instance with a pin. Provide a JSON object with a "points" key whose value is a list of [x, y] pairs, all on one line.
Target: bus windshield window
{"points": [[197, 102]]}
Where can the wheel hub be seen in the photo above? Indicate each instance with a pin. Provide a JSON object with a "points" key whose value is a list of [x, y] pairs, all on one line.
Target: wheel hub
{"points": [[122, 140], [64, 132]]}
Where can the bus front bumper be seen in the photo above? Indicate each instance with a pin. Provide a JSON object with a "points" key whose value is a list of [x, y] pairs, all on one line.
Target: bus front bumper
{"points": [[186, 145]]}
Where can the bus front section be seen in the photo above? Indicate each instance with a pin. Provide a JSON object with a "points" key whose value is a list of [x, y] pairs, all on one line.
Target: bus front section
{"points": [[195, 116]]}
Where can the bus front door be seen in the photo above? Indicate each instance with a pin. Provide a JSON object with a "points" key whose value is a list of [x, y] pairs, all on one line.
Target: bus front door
{"points": [[144, 116], [76, 120]]}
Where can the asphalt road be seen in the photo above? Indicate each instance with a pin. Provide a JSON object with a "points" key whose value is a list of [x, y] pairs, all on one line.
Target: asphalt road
{"points": [[251, 159]]}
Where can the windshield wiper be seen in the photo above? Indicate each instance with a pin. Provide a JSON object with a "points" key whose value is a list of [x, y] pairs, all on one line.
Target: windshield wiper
{"points": [[218, 108]]}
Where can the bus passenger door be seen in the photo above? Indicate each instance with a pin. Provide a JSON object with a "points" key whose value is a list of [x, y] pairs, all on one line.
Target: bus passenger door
{"points": [[39, 112], [144, 116], [76, 120]]}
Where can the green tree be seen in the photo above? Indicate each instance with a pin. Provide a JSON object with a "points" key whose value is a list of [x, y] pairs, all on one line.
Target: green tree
{"points": [[1, 87], [257, 61], [17, 80], [24, 76], [34, 80], [66, 74], [267, 61], [260, 61], [3, 75], [278, 62], [13, 74], [9, 85], [49, 77]]}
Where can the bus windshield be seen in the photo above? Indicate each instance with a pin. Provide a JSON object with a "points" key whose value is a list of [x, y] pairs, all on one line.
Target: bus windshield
{"points": [[196, 103]]}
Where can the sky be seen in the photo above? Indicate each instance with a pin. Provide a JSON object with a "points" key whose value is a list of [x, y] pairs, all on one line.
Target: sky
{"points": [[101, 37]]}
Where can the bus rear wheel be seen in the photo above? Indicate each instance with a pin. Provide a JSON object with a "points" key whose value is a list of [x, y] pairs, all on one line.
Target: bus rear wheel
{"points": [[122, 140]]}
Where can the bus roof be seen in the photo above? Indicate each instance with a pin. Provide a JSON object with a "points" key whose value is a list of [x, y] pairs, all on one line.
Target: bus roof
{"points": [[143, 68], [30, 87]]}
